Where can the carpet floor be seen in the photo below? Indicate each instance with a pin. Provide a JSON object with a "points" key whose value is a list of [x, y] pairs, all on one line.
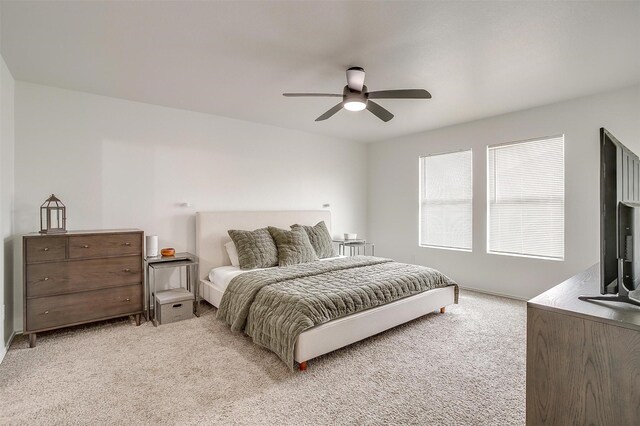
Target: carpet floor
{"points": [[464, 367]]}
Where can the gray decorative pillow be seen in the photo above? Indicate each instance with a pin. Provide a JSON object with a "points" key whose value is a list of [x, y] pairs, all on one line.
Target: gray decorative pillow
{"points": [[256, 249], [320, 239], [293, 246]]}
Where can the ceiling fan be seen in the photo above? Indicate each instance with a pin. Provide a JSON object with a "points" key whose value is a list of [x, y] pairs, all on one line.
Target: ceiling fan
{"points": [[355, 96]]}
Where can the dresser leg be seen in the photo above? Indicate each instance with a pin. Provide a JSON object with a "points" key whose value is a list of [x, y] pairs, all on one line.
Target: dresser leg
{"points": [[137, 319], [443, 309], [32, 340]]}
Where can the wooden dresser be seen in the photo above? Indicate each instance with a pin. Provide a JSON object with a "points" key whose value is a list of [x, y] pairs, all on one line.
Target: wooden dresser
{"points": [[80, 277], [583, 358]]}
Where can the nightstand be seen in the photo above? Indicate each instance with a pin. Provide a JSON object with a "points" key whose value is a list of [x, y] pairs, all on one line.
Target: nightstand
{"points": [[354, 247], [184, 260]]}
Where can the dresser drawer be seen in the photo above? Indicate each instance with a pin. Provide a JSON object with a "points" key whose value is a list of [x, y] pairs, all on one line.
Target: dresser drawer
{"points": [[44, 279], [55, 311], [104, 245], [45, 249]]}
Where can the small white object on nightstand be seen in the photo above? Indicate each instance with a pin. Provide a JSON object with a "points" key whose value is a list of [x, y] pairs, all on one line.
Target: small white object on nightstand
{"points": [[151, 245]]}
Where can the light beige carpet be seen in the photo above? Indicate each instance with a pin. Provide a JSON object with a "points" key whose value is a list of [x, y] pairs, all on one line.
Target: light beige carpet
{"points": [[464, 367]]}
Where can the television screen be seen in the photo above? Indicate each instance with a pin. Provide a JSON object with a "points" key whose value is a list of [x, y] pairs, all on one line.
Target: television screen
{"points": [[619, 183], [619, 223]]}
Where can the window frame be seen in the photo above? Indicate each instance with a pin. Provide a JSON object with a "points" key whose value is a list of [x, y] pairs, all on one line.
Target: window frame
{"points": [[420, 198], [564, 203]]}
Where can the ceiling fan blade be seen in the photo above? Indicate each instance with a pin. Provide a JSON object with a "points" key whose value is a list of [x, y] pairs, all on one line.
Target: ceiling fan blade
{"points": [[294, 95], [400, 94], [379, 112], [355, 78], [330, 112]]}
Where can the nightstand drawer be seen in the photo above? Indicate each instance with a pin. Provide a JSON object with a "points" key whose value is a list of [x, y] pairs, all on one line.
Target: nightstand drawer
{"points": [[45, 249], [67, 309], [45, 279], [104, 245]]}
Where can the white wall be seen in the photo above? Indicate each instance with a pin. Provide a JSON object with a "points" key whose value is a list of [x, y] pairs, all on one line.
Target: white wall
{"points": [[393, 190], [6, 203], [118, 163], [122, 164]]}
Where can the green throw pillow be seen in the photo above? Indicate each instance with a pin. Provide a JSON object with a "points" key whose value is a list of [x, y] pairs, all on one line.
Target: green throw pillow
{"points": [[256, 249], [320, 239], [293, 246]]}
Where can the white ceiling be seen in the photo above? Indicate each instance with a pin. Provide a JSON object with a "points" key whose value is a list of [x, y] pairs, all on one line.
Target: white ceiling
{"points": [[236, 58]]}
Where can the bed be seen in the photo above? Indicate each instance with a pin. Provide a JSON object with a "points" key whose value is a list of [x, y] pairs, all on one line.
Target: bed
{"points": [[211, 235]]}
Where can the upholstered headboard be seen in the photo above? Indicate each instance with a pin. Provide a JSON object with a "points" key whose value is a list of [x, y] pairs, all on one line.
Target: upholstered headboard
{"points": [[212, 227]]}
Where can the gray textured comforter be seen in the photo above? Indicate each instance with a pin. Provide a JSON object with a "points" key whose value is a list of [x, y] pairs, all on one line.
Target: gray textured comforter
{"points": [[274, 306]]}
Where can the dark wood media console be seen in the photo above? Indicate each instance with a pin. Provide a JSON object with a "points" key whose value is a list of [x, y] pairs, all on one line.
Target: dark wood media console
{"points": [[81, 277], [583, 357]]}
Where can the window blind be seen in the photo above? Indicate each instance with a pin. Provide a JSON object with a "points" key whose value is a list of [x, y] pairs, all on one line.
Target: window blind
{"points": [[526, 198], [446, 195]]}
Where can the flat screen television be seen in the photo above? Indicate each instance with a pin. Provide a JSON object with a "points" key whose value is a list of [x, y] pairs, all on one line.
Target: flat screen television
{"points": [[629, 240], [619, 222]]}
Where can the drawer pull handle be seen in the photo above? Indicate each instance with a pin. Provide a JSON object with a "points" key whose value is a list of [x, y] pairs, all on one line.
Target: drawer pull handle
{"points": [[126, 244], [127, 300], [85, 246], [127, 270], [46, 312], [45, 279], [45, 249]]}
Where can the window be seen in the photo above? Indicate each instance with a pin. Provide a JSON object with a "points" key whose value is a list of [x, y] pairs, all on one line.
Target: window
{"points": [[446, 195], [526, 198]]}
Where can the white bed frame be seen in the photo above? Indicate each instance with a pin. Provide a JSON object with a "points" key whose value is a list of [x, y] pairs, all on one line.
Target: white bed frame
{"points": [[211, 235]]}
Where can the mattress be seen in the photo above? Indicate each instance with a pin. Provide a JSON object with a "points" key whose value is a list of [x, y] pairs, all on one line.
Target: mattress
{"points": [[222, 276]]}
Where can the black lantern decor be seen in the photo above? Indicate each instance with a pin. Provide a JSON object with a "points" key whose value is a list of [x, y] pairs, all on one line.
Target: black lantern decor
{"points": [[53, 216]]}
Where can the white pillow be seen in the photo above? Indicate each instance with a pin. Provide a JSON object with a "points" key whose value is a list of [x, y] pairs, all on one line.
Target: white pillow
{"points": [[233, 253]]}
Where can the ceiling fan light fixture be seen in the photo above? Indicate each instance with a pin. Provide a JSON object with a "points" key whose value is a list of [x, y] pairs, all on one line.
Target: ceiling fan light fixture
{"points": [[356, 97], [354, 105]]}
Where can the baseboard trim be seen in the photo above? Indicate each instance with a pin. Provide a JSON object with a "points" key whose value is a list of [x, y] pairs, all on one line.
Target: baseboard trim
{"points": [[5, 349], [493, 293]]}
